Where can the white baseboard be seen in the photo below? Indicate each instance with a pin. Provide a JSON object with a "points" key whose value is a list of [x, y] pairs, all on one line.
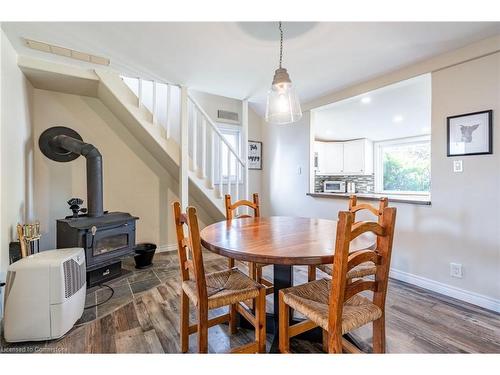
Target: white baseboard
{"points": [[447, 290], [166, 248]]}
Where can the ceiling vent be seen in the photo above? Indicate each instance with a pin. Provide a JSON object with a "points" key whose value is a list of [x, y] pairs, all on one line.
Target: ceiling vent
{"points": [[66, 52], [227, 116]]}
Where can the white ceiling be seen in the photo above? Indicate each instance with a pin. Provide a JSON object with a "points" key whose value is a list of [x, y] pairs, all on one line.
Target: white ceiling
{"points": [[395, 111], [238, 59]]}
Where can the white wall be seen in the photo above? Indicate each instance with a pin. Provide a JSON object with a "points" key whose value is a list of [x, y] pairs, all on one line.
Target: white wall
{"points": [[462, 225], [16, 152], [466, 206]]}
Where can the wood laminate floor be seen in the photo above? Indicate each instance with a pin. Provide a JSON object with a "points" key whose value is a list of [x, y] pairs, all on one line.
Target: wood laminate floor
{"points": [[143, 317]]}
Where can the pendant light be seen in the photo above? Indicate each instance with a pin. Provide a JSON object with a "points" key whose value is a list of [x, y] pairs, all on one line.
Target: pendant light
{"points": [[283, 106]]}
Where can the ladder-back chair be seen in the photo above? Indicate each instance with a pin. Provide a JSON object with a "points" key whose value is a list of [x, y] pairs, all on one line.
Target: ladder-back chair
{"points": [[364, 269], [254, 269], [213, 290], [335, 305]]}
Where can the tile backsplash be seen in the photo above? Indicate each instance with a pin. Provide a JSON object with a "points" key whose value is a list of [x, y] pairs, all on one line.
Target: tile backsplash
{"points": [[364, 183]]}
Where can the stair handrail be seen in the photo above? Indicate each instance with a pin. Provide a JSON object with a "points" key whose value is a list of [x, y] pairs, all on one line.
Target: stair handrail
{"points": [[215, 129]]}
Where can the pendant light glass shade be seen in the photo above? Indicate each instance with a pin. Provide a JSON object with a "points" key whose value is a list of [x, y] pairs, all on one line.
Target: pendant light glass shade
{"points": [[283, 106]]}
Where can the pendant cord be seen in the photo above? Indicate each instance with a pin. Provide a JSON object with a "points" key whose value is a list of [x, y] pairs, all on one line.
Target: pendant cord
{"points": [[281, 43]]}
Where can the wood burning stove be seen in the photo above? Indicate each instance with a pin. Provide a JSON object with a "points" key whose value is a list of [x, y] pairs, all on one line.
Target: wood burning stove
{"points": [[106, 240], [106, 236]]}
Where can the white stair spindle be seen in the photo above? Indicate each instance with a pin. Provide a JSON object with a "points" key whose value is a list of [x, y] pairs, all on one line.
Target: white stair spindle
{"points": [[229, 155], [168, 111], [184, 141], [203, 170], [237, 193], [195, 140], [212, 159], [221, 192], [244, 149], [139, 96], [154, 102]]}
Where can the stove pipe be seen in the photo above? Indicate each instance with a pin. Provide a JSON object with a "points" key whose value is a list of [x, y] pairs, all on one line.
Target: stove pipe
{"points": [[94, 169]]}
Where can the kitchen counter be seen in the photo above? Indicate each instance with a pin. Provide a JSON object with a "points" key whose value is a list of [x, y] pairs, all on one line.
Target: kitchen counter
{"points": [[400, 198]]}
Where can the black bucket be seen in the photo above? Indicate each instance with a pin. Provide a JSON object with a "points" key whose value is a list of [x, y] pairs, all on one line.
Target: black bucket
{"points": [[144, 253]]}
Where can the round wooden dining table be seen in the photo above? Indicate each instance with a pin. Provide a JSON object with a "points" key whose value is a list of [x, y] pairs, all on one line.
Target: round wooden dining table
{"points": [[281, 241]]}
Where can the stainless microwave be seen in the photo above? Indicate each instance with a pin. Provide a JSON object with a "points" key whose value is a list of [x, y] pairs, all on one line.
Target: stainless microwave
{"points": [[334, 187]]}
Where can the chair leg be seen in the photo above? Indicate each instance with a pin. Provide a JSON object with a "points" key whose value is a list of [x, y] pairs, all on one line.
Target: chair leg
{"points": [[184, 322], [284, 318], [260, 318], [325, 340], [230, 263], [258, 274], [253, 275], [233, 319], [335, 342], [252, 270], [202, 330], [379, 335], [311, 273]]}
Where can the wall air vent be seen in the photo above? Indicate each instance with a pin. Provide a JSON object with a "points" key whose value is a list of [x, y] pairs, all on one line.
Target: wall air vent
{"points": [[227, 116], [66, 52]]}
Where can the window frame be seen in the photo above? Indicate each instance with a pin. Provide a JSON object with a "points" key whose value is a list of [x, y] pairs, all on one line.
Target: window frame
{"points": [[379, 163], [233, 129]]}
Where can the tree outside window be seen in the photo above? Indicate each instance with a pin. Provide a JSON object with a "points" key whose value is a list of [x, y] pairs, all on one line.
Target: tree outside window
{"points": [[405, 166]]}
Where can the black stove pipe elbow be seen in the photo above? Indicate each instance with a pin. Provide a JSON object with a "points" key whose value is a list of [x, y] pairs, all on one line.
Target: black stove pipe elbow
{"points": [[94, 170]]}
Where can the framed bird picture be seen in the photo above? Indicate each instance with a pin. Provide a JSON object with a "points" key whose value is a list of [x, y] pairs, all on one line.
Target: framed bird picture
{"points": [[470, 134]]}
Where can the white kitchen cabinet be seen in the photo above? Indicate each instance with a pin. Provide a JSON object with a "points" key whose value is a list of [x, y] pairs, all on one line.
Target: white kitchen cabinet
{"points": [[334, 152], [344, 158], [319, 157], [329, 157], [358, 157]]}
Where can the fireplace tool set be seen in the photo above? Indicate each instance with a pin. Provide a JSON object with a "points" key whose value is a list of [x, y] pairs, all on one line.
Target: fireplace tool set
{"points": [[29, 238]]}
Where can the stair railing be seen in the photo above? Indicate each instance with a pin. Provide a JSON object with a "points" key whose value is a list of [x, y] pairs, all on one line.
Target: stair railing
{"points": [[224, 174], [207, 146], [148, 96]]}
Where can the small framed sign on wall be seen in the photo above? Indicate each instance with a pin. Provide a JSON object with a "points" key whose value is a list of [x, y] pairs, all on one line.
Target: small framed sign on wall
{"points": [[470, 134], [254, 155]]}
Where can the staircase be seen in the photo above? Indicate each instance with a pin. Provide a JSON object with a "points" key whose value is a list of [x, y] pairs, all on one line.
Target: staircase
{"points": [[214, 166], [168, 121]]}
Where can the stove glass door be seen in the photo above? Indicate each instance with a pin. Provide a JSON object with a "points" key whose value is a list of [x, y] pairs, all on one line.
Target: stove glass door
{"points": [[110, 243]]}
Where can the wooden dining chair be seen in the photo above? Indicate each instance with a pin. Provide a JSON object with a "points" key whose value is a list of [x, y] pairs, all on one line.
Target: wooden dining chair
{"points": [[254, 269], [213, 290], [335, 305], [364, 269]]}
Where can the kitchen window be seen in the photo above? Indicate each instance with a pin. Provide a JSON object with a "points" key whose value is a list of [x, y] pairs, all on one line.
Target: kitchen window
{"points": [[403, 166]]}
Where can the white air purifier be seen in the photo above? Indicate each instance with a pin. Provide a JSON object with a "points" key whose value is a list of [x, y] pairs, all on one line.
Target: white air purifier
{"points": [[44, 295]]}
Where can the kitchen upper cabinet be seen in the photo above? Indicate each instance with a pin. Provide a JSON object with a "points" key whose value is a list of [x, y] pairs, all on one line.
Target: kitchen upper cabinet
{"points": [[358, 157], [344, 158], [319, 157], [329, 157], [334, 155]]}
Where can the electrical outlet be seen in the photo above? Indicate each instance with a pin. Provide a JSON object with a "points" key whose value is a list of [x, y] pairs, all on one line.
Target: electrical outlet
{"points": [[456, 270], [457, 166]]}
